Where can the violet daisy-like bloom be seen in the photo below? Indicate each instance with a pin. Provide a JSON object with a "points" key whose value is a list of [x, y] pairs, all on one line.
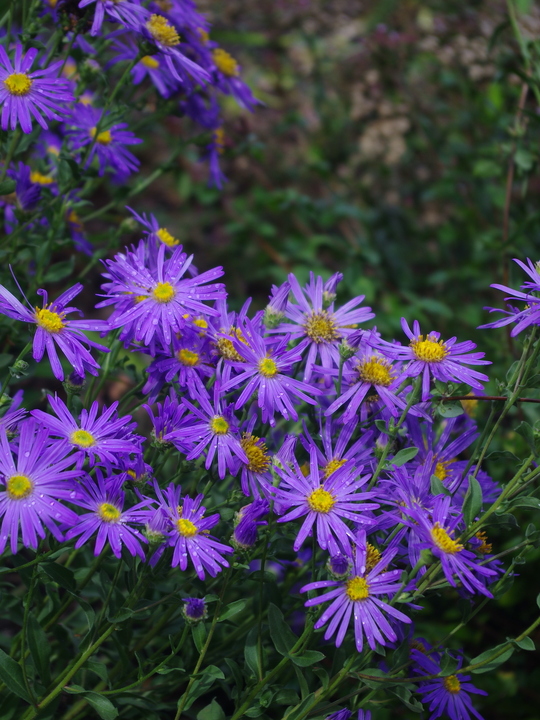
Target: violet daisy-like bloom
{"points": [[162, 295], [315, 321], [25, 198], [33, 482], [256, 478], [103, 439], [445, 360], [53, 328], [154, 230], [530, 315], [226, 75], [448, 694], [325, 501], [168, 422], [265, 371], [153, 67], [215, 433], [105, 499], [435, 532], [128, 14], [107, 141], [25, 94], [248, 520], [357, 597], [188, 533]]}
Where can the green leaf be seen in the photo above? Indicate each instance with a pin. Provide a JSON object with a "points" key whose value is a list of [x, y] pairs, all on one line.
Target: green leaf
{"points": [[298, 710], [308, 658], [449, 664], [450, 409], [214, 711], [59, 574], [203, 683], [12, 676], [382, 426], [526, 431], [60, 270], [473, 501], [405, 695], [7, 187], [102, 705], [404, 456], [39, 649], [437, 488], [286, 696], [97, 667], [532, 502], [122, 615], [280, 633], [233, 609], [198, 632], [250, 652], [526, 644], [490, 664]]}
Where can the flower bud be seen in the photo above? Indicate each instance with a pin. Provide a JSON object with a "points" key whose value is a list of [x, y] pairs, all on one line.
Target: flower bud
{"points": [[338, 566], [194, 610]]}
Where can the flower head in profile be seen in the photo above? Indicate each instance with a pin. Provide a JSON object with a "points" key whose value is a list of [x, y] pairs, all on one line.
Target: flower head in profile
{"points": [[188, 533], [358, 597], [529, 294], [33, 483], [54, 328], [25, 95], [445, 360], [128, 14]]}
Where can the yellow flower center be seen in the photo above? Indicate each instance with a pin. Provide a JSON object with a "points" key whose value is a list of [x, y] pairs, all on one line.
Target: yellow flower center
{"points": [[357, 589], [201, 323], [82, 438], [75, 220], [376, 371], [333, 465], [204, 36], [304, 469], [219, 425], [187, 357], [132, 474], [186, 527], [53, 150], [372, 557], [163, 292], [486, 546], [443, 540], [18, 487], [225, 62], [429, 350], [321, 327], [441, 469], [50, 321], [150, 61], [226, 348], [109, 513], [162, 31], [268, 367], [103, 138], [219, 140], [165, 236], [320, 500], [257, 453], [469, 406], [37, 177], [452, 684], [18, 84]]}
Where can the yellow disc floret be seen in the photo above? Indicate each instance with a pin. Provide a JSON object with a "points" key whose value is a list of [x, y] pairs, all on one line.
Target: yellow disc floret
{"points": [[40, 179], [257, 453], [441, 469], [321, 327], [320, 500], [103, 138], [108, 512], [429, 350], [226, 348], [452, 684], [225, 62], [50, 321], [82, 438], [219, 425], [372, 557], [18, 84], [268, 367], [18, 487], [150, 61], [186, 528], [165, 236], [376, 370], [357, 588], [187, 357], [333, 465], [163, 292], [443, 540], [162, 31]]}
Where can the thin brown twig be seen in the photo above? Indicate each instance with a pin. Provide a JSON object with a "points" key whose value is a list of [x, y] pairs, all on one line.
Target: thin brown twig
{"points": [[487, 397]]}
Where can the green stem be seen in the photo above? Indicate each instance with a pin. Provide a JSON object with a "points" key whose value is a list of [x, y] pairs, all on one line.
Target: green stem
{"points": [[10, 153], [24, 632], [21, 355]]}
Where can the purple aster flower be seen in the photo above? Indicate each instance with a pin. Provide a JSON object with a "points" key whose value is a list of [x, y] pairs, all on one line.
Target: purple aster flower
{"points": [[194, 610], [153, 67], [325, 501], [357, 596], [248, 520], [25, 198], [168, 421], [530, 315], [154, 230], [320, 327], [445, 360], [26, 94], [13, 413], [226, 76], [448, 694], [126, 13], [274, 312], [102, 439], [265, 370], [435, 532], [53, 327], [339, 715], [34, 481], [336, 450], [105, 498], [107, 141], [189, 535], [158, 298], [256, 478], [214, 150], [216, 432]]}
